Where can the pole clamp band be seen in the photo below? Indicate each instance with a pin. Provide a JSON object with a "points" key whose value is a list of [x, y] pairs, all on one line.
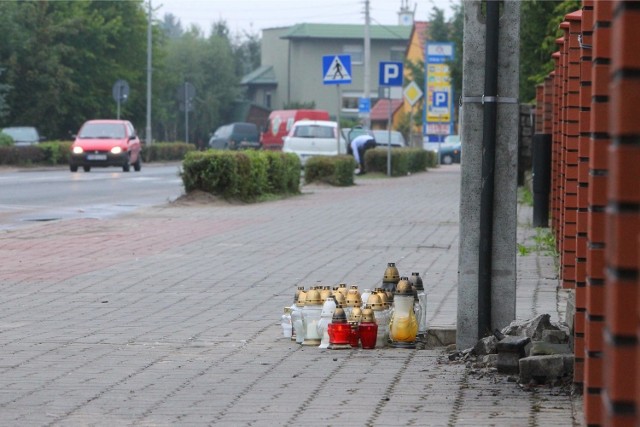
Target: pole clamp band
{"points": [[486, 99]]}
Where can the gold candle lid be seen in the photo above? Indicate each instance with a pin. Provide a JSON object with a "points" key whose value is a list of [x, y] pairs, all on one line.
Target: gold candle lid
{"points": [[313, 298], [367, 315], [404, 287]]}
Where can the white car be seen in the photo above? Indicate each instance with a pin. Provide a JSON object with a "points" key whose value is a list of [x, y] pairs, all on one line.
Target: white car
{"points": [[309, 138], [382, 138]]}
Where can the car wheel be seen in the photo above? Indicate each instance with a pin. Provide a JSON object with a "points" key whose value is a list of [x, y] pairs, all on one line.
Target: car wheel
{"points": [[87, 168], [138, 164], [73, 168], [126, 167], [447, 159]]}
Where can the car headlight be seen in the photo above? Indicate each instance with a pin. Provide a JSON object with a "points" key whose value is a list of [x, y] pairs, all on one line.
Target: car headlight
{"points": [[116, 150], [77, 150]]}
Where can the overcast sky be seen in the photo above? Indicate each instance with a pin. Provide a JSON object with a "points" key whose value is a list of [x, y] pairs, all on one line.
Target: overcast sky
{"points": [[254, 15]]}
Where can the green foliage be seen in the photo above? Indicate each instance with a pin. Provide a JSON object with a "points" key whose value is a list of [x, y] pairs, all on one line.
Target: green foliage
{"points": [[283, 173], [166, 151], [21, 156], [524, 196], [545, 241], [539, 29], [5, 140], [241, 175], [438, 28], [523, 250], [334, 170], [403, 160], [55, 152], [45, 153]]}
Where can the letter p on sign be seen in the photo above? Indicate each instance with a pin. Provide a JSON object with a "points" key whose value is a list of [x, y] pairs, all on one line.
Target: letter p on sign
{"points": [[390, 74]]}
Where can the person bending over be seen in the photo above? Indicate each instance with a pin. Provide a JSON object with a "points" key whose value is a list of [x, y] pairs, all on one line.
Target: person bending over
{"points": [[359, 146]]}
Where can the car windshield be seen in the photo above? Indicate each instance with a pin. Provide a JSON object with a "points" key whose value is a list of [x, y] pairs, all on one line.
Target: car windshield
{"points": [[19, 134], [314, 131], [102, 131]]}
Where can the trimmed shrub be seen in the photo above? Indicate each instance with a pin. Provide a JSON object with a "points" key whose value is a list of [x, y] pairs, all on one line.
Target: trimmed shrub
{"points": [[166, 151], [27, 155], [403, 160], [283, 172], [5, 140], [241, 175], [56, 152], [334, 170]]}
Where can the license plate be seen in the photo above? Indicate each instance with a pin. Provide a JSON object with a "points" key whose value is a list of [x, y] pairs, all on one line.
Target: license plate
{"points": [[96, 157]]}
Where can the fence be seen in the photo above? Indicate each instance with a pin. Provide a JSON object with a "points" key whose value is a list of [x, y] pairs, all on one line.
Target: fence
{"points": [[590, 107]]}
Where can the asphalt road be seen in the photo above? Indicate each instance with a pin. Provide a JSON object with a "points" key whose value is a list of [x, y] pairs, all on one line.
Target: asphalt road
{"points": [[48, 194]]}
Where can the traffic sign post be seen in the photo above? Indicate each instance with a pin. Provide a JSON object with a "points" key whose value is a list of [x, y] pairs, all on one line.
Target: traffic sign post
{"points": [[120, 93], [186, 93], [336, 70], [390, 74], [412, 93]]}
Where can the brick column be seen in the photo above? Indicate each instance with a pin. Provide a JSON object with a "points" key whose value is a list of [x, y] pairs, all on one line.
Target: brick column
{"points": [[557, 148], [597, 194], [594, 314], [539, 110], [623, 217]]}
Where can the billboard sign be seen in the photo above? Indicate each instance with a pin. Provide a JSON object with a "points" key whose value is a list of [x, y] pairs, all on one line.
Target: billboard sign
{"points": [[438, 111]]}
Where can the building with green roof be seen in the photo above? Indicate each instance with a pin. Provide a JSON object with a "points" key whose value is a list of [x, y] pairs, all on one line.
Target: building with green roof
{"points": [[291, 70]]}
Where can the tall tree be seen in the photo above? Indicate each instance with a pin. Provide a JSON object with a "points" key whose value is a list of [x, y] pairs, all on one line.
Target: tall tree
{"points": [[538, 31], [4, 108], [438, 28]]}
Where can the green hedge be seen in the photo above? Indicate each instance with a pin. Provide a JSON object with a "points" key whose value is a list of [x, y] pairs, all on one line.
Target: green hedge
{"points": [[166, 151], [241, 175], [334, 170], [57, 153], [403, 160], [48, 153], [5, 140]]}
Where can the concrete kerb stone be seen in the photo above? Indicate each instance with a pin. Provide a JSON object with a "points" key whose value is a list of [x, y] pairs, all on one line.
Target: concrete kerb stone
{"points": [[439, 336]]}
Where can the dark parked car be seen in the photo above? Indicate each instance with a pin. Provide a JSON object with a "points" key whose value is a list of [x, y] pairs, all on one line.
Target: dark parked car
{"points": [[23, 135], [103, 143], [450, 151], [236, 136]]}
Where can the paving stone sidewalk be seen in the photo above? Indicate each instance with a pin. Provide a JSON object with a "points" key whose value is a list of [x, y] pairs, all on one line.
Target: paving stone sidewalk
{"points": [[170, 315]]}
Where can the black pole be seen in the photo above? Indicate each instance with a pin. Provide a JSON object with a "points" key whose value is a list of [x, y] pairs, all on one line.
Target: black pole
{"points": [[488, 168], [541, 178]]}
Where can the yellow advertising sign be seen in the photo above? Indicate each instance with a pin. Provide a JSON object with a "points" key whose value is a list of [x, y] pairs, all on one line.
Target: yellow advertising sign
{"points": [[438, 93]]}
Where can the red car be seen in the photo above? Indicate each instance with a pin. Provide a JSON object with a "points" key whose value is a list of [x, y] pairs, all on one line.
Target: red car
{"points": [[103, 143]]}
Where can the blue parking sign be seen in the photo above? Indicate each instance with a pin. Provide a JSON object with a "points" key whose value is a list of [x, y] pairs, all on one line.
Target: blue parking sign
{"points": [[440, 99], [390, 73]]}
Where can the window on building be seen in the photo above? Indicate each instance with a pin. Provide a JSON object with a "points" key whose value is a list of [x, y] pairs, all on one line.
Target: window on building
{"points": [[397, 54], [356, 51], [267, 99], [350, 102]]}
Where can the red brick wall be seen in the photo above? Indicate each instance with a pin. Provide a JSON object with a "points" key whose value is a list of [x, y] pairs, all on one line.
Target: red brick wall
{"points": [[591, 107]]}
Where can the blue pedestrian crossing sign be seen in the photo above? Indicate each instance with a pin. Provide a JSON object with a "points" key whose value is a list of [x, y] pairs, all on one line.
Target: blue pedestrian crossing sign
{"points": [[336, 69]]}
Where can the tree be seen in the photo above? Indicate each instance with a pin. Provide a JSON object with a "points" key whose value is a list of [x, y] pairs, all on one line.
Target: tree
{"points": [[538, 31], [3, 93], [171, 26], [438, 28], [209, 65], [64, 59]]}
